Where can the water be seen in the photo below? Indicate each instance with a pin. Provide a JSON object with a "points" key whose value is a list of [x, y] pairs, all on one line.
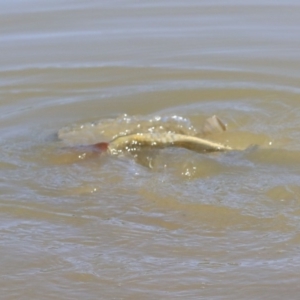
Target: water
{"points": [[167, 224]]}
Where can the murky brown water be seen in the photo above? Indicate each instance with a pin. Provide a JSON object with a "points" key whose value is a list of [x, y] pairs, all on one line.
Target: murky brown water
{"points": [[192, 226]]}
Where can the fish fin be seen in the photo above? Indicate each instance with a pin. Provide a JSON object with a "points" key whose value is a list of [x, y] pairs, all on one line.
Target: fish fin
{"points": [[101, 147], [213, 125]]}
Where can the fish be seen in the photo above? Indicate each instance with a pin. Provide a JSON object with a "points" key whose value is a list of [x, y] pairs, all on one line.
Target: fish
{"points": [[160, 141], [166, 140], [157, 140]]}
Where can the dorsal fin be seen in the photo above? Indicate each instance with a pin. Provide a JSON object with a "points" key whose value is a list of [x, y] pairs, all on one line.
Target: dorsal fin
{"points": [[213, 125]]}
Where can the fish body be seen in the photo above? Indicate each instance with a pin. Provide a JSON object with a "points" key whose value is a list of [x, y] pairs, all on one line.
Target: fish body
{"points": [[160, 140]]}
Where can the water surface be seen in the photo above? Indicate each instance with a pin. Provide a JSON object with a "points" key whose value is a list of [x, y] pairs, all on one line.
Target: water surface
{"points": [[187, 226]]}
